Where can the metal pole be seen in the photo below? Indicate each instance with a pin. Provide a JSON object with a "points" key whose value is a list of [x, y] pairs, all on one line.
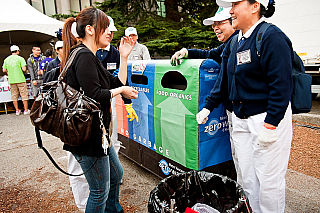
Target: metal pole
{"points": [[9, 37]]}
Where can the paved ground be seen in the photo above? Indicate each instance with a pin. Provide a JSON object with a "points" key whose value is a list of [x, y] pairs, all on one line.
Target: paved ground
{"points": [[30, 183]]}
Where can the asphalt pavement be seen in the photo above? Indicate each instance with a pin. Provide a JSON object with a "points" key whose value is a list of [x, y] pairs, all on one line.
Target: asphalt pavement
{"points": [[24, 165]]}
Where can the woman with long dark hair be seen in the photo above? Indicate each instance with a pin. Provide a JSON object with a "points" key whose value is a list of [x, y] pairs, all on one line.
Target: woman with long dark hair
{"points": [[87, 74]]}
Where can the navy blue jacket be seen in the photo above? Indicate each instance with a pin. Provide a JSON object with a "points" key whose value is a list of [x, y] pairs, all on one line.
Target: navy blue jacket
{"points": [[262, 85], [113, 56]]}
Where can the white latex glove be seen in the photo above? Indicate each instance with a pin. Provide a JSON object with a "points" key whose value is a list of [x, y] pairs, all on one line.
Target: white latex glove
{"points": [[266, 137], [175, 59], [202, 116]]}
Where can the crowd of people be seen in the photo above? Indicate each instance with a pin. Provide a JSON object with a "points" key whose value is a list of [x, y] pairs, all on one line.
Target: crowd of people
{"points": [[255, 90]]}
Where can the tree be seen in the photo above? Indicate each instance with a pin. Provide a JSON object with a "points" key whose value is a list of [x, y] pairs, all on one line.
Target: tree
{"points": [[181, 27]]}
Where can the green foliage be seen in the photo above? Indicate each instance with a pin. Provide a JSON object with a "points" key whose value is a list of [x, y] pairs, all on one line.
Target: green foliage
{"points": [[160, 34], [64, 16]]}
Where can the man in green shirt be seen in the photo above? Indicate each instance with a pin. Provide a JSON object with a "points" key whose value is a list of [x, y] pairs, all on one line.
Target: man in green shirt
{"points": [[14, 66]]}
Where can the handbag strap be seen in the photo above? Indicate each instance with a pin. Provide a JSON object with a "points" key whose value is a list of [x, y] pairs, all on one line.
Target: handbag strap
{"points": [[68, 63], [39, 140]]}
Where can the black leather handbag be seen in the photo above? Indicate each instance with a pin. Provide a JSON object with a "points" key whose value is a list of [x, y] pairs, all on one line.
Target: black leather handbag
{"points": [[62, 111]]}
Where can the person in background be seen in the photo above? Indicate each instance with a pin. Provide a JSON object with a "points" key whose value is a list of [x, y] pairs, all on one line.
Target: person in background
{"points": [[33, 63], [140, 51], [44, 63], [110, 58], [57, 61], [89, 31], [14, 66], [260, 89], [222, 25], [53, 68]]}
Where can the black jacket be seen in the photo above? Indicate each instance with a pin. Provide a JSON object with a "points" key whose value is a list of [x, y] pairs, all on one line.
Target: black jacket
{"points": [[86, 72]]}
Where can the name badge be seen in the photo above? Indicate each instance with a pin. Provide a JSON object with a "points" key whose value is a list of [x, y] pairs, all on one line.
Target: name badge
{"points": [[111, 66], [244, 57], [135, 57]]}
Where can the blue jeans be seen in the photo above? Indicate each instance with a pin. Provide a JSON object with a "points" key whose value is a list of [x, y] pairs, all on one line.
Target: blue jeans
{"points": [[104, 182]]}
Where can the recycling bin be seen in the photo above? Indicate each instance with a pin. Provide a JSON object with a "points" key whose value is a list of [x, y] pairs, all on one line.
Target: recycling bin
{"points": [[167, 139]]}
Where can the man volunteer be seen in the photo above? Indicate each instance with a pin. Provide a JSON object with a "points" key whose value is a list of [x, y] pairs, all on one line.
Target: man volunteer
{"points": [[110, 59], [222, 26]]}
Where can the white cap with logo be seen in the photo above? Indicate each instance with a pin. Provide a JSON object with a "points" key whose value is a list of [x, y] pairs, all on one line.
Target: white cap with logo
{"points": [[228, 3], [14, 48], [130, 30], [58, 44], [221, 14], [111, 27]]}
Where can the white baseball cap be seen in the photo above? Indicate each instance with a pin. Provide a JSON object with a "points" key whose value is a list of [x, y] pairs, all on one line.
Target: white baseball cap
{"points": [[14, 48], [58, 44], [221, 14], [130, 30], [228, 3], [111, 27]]}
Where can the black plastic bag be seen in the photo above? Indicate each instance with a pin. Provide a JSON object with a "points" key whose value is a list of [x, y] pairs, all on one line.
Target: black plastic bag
{"points": [[186, 189]]}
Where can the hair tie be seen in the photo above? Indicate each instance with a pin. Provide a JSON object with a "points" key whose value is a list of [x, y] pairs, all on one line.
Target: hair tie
{"points": [[74, 29]]}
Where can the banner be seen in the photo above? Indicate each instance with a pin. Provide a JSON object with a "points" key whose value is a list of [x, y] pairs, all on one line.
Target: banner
{"points": [[5, 94]]}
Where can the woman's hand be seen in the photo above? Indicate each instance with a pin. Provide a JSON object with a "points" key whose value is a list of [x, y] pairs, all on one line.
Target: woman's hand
{"points": [[126, 46], [129, 92]]}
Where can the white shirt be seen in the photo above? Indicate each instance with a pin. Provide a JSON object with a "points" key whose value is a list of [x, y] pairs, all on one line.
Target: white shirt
{"points": [[139, 52], [249, 32]]}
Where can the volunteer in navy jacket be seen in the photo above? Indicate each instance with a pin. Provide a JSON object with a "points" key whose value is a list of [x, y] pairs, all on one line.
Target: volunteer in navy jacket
{"points": [[260, 89], [110, 58], [222, 25]]}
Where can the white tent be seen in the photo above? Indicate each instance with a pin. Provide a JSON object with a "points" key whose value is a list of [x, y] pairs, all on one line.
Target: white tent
{"points": [[19, 21], [23, 25]]}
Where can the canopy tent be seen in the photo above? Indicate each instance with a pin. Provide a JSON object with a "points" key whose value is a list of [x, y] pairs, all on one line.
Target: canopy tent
{"points": [[20, 23], [23, 25]]}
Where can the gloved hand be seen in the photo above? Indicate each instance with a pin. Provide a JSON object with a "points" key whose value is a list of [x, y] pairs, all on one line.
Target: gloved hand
{"points": [[202, 116], [175, 59], [131, 112], [266, 137]]}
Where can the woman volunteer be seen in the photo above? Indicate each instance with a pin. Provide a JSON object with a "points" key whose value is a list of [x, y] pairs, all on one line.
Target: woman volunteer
{"points": [[87, 73], [260, 88]]}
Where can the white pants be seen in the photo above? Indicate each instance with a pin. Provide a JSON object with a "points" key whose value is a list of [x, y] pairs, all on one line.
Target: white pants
{"points": [[79, 184], [234, 156], [263, 169], [114, 136]]}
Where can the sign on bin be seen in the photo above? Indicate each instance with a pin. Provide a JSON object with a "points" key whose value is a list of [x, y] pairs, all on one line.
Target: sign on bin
{"points": [[168, 101]]}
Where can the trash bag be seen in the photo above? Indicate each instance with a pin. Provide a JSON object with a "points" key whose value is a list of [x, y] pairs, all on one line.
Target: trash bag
{"points": [[177, 192]]}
